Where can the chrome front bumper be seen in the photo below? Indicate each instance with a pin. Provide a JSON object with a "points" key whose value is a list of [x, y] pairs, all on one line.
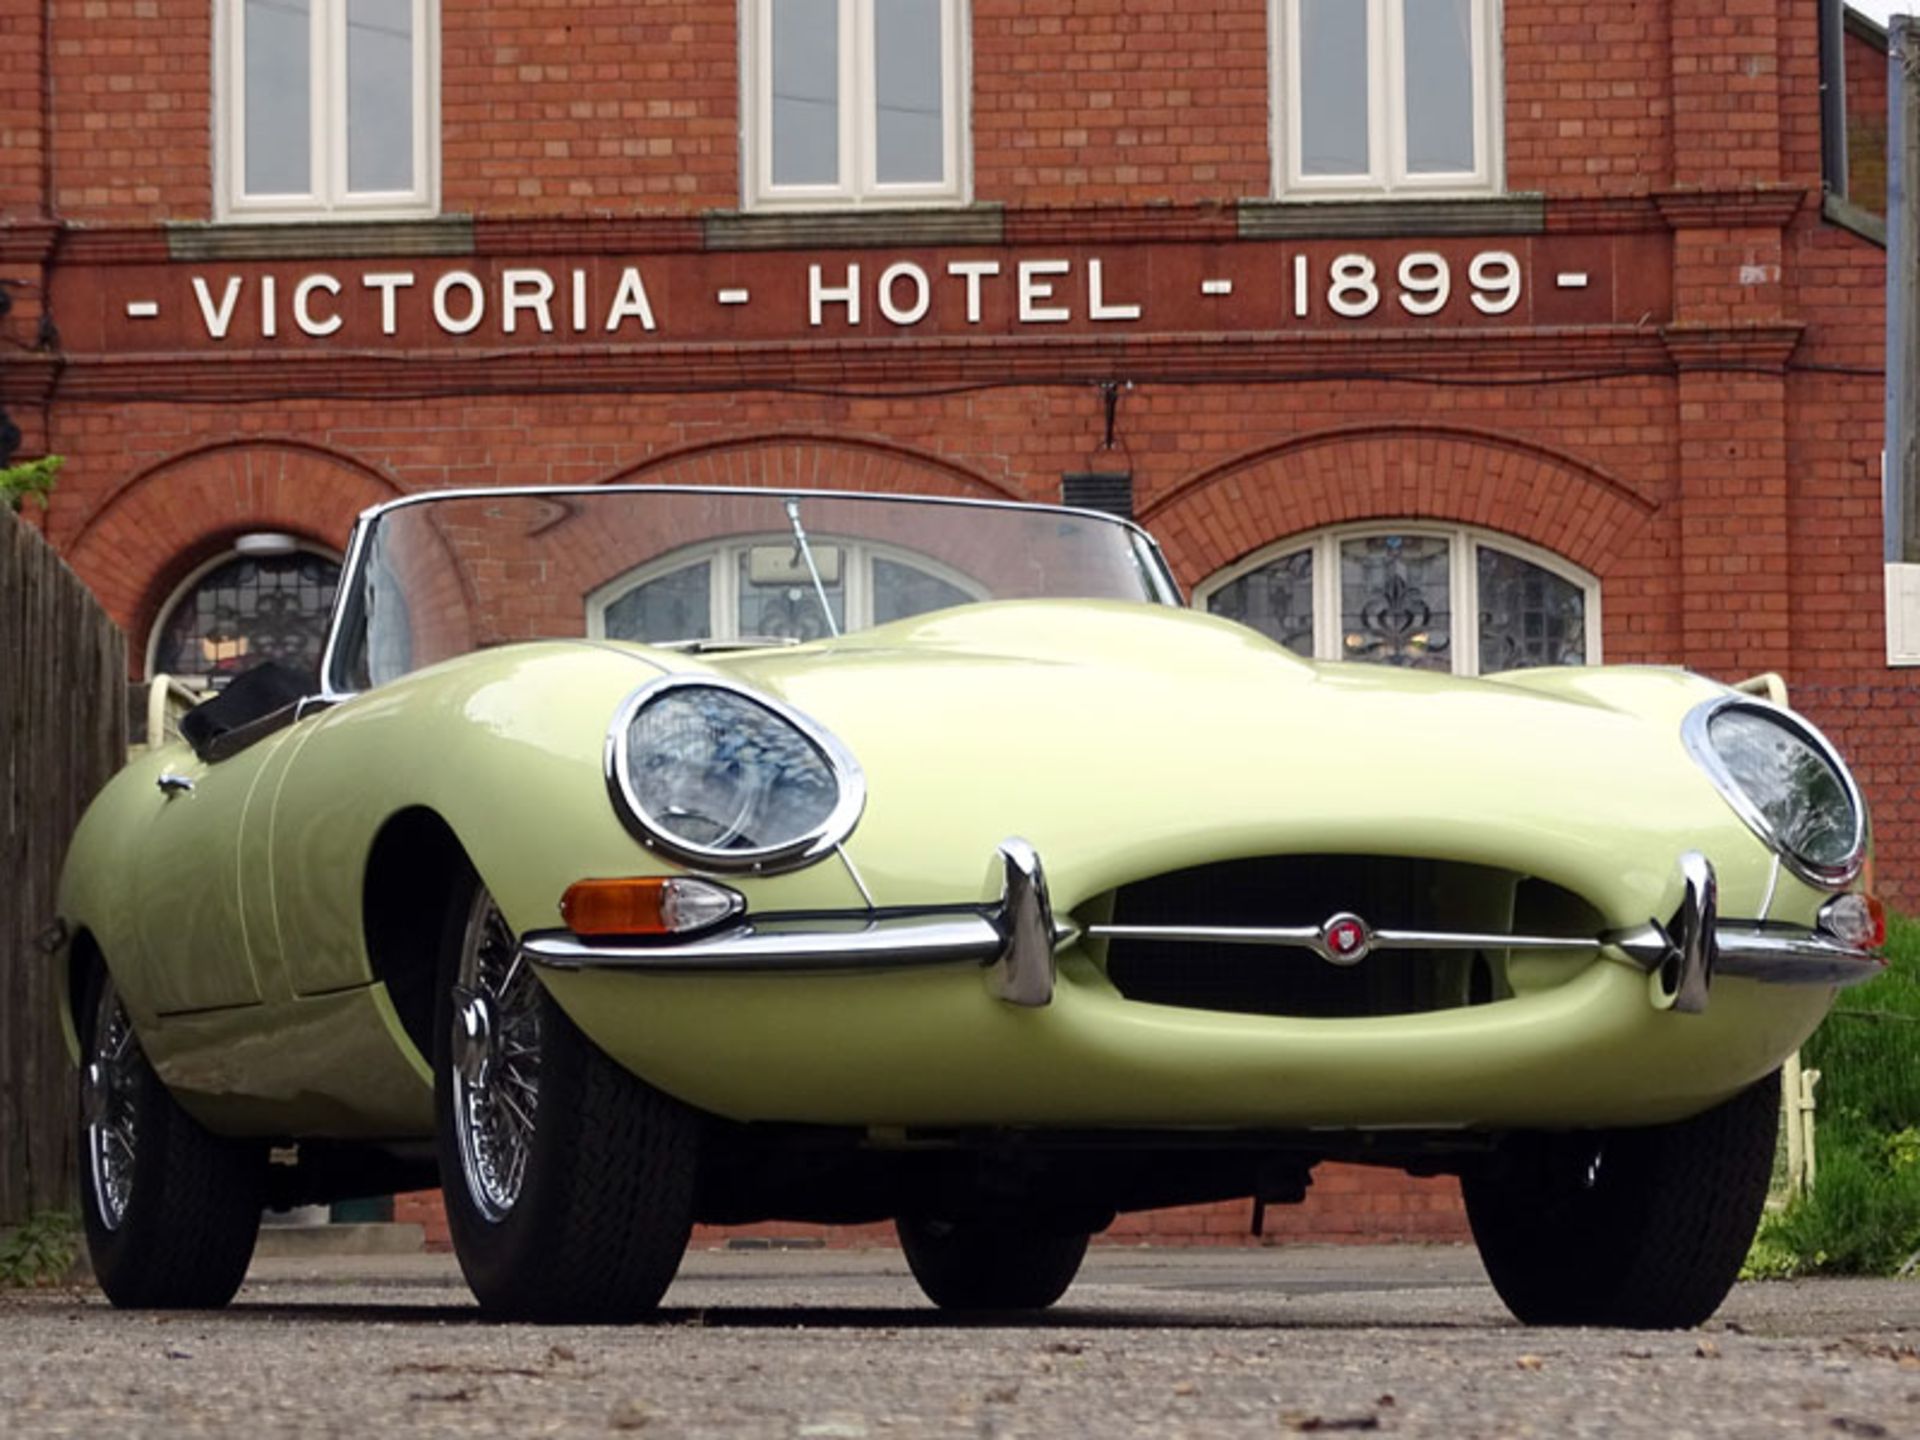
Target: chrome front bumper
{"points": [[1017, 936]]}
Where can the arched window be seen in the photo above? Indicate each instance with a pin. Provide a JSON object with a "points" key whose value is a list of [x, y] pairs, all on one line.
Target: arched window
{"points": [[1421, 596], [243, 608], [758, 587]]}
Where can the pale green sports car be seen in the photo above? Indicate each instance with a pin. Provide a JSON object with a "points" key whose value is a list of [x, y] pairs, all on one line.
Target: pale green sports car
{"points": [[647, 856]]}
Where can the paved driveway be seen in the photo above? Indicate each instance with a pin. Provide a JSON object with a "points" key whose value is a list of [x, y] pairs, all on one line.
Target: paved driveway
{"points": [[826, 1346]]}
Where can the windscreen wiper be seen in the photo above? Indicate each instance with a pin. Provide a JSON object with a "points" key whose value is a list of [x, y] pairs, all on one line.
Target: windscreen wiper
{"points": [[806, 553]]}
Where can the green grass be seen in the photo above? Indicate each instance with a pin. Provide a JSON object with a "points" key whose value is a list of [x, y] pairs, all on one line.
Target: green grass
{"points": [[1863, 1217]]}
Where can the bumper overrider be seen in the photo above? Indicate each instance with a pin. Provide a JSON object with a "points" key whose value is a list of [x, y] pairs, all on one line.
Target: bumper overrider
{"points": [[1016, 937]]}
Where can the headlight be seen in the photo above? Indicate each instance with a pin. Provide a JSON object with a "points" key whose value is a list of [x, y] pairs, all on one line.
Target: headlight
{"points": [[718, 777], [1785, 780]]}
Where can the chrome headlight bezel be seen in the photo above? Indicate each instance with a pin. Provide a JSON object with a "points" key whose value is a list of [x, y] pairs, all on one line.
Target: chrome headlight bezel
{"points": [[1696, 732], [791, 854]]}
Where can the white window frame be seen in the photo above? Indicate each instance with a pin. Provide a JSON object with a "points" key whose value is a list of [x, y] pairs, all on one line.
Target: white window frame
{"points": [[723, 586], [1387, 173], [1463, 581], [859, 132], [329, 199]]}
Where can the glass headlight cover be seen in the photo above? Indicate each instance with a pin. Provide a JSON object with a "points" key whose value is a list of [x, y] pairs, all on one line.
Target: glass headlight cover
{"points": [[1787, 782], [718, 777]]}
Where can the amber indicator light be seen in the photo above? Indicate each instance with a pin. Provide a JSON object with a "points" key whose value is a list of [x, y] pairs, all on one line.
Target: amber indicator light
{"points": [[617, 907]]}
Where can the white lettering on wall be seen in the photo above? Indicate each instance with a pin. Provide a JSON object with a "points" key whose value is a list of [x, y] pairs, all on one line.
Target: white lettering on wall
{"points": [[820, 296], [1097, 306], [217, 318], [971, 271], [476, 310], [303, 315], [914, 312], [530, 290], [1348, 286], [387, 285], [1352, 291], [631, 302], [1033, 290], [1495, 275], [1426, 281]]}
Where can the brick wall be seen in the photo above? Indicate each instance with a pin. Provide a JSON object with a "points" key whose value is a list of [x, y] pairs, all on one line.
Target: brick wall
{"points": [[1347, 1205]]}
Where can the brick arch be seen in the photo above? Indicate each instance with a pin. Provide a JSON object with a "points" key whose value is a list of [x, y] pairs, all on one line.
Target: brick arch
{"points": [[1397, 472], [162, 523], [814, 462]]}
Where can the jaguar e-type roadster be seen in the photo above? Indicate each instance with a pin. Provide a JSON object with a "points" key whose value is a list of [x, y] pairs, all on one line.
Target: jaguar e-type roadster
{"points": [[643, 857]]}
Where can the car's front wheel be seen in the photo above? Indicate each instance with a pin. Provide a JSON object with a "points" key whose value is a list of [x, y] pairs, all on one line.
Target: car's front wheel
{"points": [[569, 1182], [1642, 1228], [988, 1265], [171, 1211]]}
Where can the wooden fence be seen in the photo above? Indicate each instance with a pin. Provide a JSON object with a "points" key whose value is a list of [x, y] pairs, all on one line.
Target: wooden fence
{"points": [[63, 731]]}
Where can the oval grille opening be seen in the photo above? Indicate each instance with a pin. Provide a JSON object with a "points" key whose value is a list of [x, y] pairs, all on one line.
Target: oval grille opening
{"points": [[1388, 892]]}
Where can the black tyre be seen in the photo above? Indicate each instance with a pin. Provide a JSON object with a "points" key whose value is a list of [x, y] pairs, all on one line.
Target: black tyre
{"points": [[1642, 1228], [981, 1265], [171, 1210], [569, 1183]]}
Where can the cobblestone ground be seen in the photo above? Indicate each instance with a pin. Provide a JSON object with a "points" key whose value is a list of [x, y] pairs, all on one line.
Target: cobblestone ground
{"points": [[840, 1346]]}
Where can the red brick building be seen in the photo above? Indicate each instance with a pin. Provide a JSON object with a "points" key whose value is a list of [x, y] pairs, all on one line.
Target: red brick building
{"points": [[1464, 333]]}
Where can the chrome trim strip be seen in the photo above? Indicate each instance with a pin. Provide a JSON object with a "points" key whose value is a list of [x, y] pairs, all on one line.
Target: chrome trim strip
{"points": [[1792, 957], [834, 944], [1312, 937], [802, 850], [1017, 937], [1696, 736], [862, 943]]}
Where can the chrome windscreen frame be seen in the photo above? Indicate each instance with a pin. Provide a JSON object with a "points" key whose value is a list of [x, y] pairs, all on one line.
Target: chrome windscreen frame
{"points": [[347, 596], [1696, 734], [794, 854]]}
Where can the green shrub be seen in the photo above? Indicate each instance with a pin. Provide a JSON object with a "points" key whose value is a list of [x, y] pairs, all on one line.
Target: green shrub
{"points": [[1868, 1052], [30, 477], [40, 1252], [1863, 1217]]}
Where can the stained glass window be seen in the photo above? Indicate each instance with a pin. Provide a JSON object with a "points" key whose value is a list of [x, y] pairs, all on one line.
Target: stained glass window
{"points": [[674, 606], [901, 590], [249, 609], [1390, 596], [1528, 615], [786, 607], [1394, 601], [763, 590], [1276, 600]]}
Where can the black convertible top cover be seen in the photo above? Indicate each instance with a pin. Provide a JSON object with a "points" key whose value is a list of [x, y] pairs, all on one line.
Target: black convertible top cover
{"points": [[266, 689]]}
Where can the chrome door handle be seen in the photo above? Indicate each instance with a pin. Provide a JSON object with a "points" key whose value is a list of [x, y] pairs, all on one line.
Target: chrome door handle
{"points": [[172, 785]]}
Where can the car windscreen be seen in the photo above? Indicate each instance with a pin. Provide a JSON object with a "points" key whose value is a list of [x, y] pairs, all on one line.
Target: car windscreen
{"points": [[437, 577]]}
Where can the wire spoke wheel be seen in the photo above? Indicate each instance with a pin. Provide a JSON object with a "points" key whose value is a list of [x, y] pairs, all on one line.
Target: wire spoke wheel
{"points": [[496, 1060], [170, 1209], [108, 1095], [569, 1181]]}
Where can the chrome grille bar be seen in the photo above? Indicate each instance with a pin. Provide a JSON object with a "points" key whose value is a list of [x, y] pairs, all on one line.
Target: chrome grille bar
{"points": [[1314, 938]]}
